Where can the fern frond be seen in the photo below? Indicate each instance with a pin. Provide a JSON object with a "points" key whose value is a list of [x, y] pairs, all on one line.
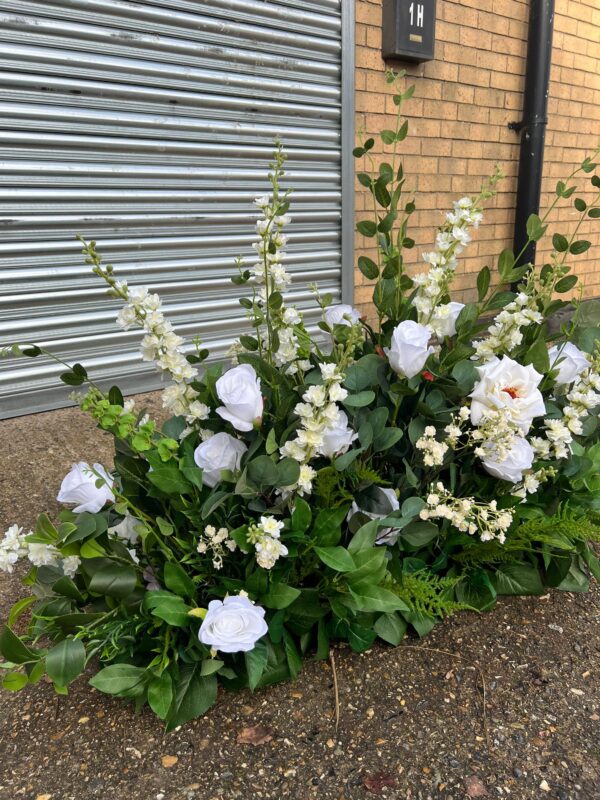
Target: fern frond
{"points": [[427, 593]]}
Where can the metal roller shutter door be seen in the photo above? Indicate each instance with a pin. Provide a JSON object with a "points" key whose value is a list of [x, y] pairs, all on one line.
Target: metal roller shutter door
{"points": [[148, 126]]}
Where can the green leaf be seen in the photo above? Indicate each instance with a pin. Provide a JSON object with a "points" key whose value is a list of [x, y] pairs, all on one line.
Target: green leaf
{"points": [[386, 224], [178, 581], [301, 516], [160, 694], [119, 679], [364, 539], [388, 137], [566, 284], [65, 661], [210, 665], [168, 607], [338, 558], [14, 681], [483, 282], [294, 659], [194, 695], [391, 628], [280, 596], [579, 247], [506, 262], [368, 268], [360, 638], [367, 227], [535, 229], [169, 479], [517, 579], [376, 598], [537, 355], [361, 399], [18, 608], [580, 204], [422, 623], [13, 649], [560, 243], [288, 472], [116, 580], [386, 439], [327, 531], [256, 661], [594, 213], [263, 471], [364, 179]]}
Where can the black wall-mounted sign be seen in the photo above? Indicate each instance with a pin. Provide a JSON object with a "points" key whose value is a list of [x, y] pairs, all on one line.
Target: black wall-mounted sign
{"points": [[408, 29]]}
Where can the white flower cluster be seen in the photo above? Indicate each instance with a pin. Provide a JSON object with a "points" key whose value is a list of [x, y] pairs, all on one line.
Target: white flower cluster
{"points": [[216, 542], [450, 241], [467, 515], [433, 451], [160, 344], [265, 538], [532, 482], [268, 272], [505, 333], [583, 396], [324, 427], [13, 547]]}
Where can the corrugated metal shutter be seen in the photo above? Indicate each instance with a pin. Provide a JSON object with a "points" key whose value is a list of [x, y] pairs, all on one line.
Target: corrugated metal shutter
{"points": [[148, 126]]}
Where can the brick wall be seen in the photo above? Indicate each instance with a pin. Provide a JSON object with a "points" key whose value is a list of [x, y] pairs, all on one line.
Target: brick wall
{"points": [[458, 117]]}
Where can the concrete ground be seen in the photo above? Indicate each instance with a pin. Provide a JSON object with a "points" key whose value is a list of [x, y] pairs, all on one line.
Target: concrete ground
{"points": [[504, 704]]}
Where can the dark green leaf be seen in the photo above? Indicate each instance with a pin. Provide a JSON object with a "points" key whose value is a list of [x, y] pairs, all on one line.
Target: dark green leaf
{"points": [[368, 268], [194, 695], [119, 679], [13, 649], [65, 661], [256, 661], [367, 227], [160, 694], [579, 247], [280, 596], [178, 581], [338, 558], [391, 628], [116, 580]]}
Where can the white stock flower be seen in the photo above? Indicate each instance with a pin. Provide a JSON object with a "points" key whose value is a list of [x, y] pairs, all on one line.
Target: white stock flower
{"points": [[520, 457], [79, 486], [341, 314], [569, 360], [510, 387], [337, 438], [217, 453], [239, 391], [233, 625], [42, 555], [408, 350], [70, 565], [443, 319]]}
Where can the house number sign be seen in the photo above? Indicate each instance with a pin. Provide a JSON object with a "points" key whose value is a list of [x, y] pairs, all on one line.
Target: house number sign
{"points": [[408, 29]]}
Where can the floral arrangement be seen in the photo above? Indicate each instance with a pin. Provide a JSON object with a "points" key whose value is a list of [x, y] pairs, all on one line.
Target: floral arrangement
{"points": [[339, 483]]}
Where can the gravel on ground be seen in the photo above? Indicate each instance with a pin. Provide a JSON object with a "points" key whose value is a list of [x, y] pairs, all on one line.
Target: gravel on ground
{"points": [[501, 705]]}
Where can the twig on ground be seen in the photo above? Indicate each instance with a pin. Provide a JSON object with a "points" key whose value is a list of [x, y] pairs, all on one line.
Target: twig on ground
{"points": [[335, 691]]}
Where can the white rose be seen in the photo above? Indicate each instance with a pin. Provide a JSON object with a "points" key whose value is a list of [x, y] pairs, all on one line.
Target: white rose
{"points": [[443, 320], [569, 360], [341, 314], [385, 535], [337, 438], [506, 385], [126, 529], [79, 486], [217, 453], [239, 391], [408, 350], [233, 626], [520, 457]]}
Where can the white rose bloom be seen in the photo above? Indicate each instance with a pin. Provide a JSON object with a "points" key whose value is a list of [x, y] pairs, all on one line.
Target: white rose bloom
{"points": [[233, 626], [409, 349], [337, 438], [126, 529], [341, 314], [569, 360], [239, 391], [217, 453], [507, 386], [79, 486], [444, 319], [385, 535], [520, 457]]}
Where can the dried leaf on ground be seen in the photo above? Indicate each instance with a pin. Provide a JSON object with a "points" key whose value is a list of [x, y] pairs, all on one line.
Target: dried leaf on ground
{"points": [[379, 781], [255, 734]]}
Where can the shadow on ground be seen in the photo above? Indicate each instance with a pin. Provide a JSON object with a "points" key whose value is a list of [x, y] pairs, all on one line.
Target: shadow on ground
{"points": [[499, 705]]}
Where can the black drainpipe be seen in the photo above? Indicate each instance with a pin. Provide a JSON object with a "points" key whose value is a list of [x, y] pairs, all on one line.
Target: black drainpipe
{"points": [[533, 125]]}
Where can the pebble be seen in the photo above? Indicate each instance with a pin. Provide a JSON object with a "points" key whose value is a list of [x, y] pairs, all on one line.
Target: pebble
{"points": [[518, 773], [544, 786]]}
